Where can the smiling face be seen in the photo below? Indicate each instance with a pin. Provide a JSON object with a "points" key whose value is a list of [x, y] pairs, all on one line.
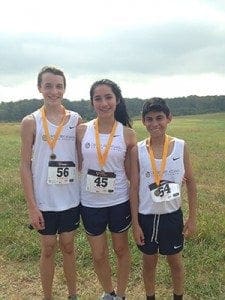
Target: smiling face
{"points": [[52, 88], [156, 123], [104, 101]]}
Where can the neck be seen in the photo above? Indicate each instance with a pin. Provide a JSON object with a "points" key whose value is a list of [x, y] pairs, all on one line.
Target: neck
{"points": [[53, 109], [157, 141], [105, 125]]}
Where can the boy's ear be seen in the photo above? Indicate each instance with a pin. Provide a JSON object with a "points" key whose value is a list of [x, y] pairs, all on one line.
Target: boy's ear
{"points": [[39, 88], [170, 117]]}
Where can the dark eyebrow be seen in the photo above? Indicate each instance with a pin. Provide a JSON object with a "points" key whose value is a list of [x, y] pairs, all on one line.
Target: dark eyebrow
{"points": [[109, 94]]}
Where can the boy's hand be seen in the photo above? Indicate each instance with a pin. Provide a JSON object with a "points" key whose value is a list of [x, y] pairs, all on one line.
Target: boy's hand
{"points": [[138, 235], [189, 228], [36, 219]]}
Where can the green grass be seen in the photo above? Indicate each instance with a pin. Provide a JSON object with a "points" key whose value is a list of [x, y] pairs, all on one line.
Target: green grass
{"points": [[204, 255]]}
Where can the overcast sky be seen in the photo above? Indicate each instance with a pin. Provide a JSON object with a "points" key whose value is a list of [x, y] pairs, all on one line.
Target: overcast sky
{"points": [[150, 48]]}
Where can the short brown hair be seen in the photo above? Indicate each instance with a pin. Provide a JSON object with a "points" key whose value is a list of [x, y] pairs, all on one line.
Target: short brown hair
{"points": [[53, 70], [155, 104]]}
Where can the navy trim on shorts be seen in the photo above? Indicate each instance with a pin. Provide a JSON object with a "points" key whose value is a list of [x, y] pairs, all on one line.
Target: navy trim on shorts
{"points": [[96, 219], [61, 221], [163, 233]]}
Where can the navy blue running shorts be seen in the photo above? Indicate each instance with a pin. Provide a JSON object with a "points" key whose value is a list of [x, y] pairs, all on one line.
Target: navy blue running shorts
{"points": [[61, 221], [163, 233], [96, 220]]}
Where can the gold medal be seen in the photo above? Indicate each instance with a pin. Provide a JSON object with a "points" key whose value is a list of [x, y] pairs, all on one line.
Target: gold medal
{"points": [[53, 156], [101, 173], [157, 192], [158, 175], [102, 157], [52, 141]]}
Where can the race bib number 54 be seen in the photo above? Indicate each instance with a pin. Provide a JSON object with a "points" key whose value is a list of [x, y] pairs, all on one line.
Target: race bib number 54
{"points": [[165, 192]]}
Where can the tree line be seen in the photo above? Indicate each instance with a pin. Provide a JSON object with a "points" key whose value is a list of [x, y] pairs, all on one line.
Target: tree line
{"points": [[191, 105]]}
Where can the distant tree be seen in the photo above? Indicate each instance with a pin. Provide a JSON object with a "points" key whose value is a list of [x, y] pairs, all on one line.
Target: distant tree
{"points": [[191, 105]]}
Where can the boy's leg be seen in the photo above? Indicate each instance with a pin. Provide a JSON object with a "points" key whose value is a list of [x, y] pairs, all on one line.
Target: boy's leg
{"points": [[66, 243], [149, 271], [177, 272], [120, 246], [99, 249], [47, 264]]}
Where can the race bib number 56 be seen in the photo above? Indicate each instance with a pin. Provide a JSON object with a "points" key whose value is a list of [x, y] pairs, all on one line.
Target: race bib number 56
{"points": [[61, 172]]}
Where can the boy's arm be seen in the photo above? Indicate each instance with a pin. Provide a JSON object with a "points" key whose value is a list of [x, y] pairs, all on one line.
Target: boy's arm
{"points": [[80, 131], [27, 140], [134, 197], [190, 224]]}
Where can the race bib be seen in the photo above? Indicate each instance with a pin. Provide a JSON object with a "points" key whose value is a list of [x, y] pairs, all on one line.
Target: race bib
{"points": [[165, 192], [100, 182], [61, 172]]}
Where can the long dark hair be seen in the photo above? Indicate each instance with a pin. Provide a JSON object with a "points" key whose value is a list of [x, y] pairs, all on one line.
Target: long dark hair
{"points": [[120, 113]]}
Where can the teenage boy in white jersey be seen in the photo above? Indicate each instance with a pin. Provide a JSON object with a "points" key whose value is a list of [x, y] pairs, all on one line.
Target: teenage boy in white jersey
{"points": [[159, 166], [49, 178]]}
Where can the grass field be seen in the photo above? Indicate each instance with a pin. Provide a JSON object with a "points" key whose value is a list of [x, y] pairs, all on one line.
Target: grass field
{"points": [[204, 255]]}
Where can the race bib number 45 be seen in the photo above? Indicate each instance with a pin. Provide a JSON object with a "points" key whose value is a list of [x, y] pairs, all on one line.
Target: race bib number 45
{"points": [[100, 182], [61, 172]]}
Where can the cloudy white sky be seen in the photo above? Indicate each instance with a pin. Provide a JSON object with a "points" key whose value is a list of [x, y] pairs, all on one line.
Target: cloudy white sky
{"points": [[150, 48]]}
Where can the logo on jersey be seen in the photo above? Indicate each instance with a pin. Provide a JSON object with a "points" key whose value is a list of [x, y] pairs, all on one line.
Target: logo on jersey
{"points": [[87, 145], [175, 158]]}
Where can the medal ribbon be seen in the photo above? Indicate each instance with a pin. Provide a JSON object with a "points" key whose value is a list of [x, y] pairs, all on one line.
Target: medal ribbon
{"points": [[158, 174], [52, 141], [103, 156]]}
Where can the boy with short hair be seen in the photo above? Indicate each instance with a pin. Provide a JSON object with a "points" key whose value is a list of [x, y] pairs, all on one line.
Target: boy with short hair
{"points": [[49, 178], [159, 166]]}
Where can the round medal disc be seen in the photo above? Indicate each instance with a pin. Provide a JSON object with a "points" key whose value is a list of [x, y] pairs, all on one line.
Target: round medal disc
{"points": [[53, 156], [102, 173], [157, 192]]}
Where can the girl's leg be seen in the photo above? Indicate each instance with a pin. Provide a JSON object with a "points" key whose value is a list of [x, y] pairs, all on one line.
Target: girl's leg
{"points": [[121, 248], [99, 248]]}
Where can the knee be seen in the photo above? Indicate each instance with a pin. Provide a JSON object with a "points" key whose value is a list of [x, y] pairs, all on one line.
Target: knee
{"points": [[67, 248], [121, 251], [48, 251], [100, 256], [176, 267], [149, 264]]}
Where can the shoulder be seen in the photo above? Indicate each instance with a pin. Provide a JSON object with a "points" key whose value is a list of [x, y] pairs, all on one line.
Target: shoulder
{"points": [[28, 129], [142, 143], [80, 120], [134, 151], [129, 136], [141, 146], [177, 140], [75, 114], [176, 143], [81, 129], [28, 122]]}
